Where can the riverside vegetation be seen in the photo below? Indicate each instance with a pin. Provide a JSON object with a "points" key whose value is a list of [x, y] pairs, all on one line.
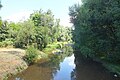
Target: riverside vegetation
{"points": [[97, 31], [41, 31], [39, 36]]}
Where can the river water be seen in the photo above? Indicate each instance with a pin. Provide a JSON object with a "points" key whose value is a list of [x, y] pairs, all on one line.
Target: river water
{"points": [[62, 67]]}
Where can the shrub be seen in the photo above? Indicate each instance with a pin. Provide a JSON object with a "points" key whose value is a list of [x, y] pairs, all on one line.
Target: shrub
{"points": [[6, 43], [31, 55], [52, 47]]}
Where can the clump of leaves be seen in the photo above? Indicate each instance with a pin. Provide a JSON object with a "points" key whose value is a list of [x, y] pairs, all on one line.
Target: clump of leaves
{"points": [[31, 55]]}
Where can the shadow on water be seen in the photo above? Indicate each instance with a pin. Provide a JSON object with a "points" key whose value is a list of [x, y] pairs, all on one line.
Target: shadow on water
{"points": [[62, 67], [91, 71], [87, 69]]}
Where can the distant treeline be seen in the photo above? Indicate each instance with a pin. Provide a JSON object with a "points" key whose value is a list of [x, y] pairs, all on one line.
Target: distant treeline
{"points": [[39, 30]]}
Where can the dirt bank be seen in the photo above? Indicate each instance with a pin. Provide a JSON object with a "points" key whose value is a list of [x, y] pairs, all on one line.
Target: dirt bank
{"points": [[11, 62]]}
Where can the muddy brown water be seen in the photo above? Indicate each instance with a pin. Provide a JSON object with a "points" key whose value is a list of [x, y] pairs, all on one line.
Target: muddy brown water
{"points": [[64, 68]]}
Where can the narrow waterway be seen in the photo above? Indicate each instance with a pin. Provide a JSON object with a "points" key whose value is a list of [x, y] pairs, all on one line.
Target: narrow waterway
{"points": [[62, 67]]}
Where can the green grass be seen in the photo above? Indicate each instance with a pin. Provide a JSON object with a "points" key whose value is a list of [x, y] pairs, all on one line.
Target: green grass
{"points": [[112, 67], [115, 68]]}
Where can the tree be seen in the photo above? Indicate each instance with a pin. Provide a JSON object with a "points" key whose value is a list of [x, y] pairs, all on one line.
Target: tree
{"points": [[41, 18], [25, 35], [47, 29], [4, 31], [97, 28], [39, 30], [0, 5]]}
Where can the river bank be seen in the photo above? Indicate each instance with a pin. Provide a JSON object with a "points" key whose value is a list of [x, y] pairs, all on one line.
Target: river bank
{"points": [[11, 62], [50, 68], [62, 67], [112, 68]]}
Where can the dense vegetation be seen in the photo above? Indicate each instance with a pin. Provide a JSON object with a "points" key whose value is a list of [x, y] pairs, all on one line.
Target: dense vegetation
{"points": [[39, 30], [97, 29]]}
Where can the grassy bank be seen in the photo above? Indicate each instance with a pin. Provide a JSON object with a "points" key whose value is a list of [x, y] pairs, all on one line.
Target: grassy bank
{"points": [[114, 68], [110, 66], [16, 60], [33, 54]]}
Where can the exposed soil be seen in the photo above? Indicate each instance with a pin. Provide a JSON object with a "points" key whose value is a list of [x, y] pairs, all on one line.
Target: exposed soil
{"points": [[11, 62]]}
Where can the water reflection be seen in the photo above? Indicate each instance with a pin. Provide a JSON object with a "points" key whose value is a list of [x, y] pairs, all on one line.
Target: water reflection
{"points": [[65, 69], [90, 70], [62, 67], [58, 67]]}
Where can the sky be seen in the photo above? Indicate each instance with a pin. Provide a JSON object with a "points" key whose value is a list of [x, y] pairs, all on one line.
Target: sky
{"points": [[16, 10]]}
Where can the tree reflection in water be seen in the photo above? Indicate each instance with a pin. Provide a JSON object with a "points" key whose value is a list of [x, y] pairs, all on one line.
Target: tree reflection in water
{"points": [[73, 75], [46, 69], [86, 69], [61, 67]]}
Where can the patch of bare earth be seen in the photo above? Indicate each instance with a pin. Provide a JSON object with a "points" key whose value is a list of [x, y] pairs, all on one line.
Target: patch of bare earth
{"points": [[11, 61]]}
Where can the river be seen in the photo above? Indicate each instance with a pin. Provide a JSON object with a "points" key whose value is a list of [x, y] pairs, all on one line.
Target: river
{"points": [[63, 67]]}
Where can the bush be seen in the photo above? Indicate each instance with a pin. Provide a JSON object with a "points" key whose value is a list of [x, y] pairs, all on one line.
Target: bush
{"points": [[6, 43], [52, 47], [31, 55]]}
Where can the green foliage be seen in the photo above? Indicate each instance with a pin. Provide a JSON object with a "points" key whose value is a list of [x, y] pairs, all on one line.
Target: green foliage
{"points": [[52, 47], [97, 29], [112, 67], [0, 5], [25, 35], [39, 30], [65, 34], [6, 43], [4, 34], [47, 30], [31, 55], [41, 18]]}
